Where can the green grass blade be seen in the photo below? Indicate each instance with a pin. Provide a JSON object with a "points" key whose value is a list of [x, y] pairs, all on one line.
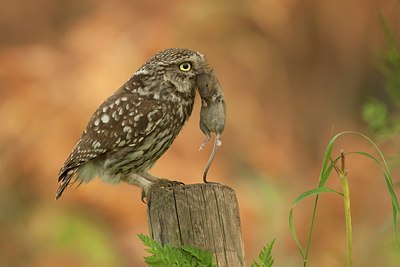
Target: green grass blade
{"points": [[327, 154], [312, 192], [309, 193], [394, 221], [326, 170], [390, 187], [310, 231], [387, 175], [325, 175], [389, 181], [375, 147]]}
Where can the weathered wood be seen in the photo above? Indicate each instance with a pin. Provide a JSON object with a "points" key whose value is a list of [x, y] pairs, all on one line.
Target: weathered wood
{"points": [[202, 215]]}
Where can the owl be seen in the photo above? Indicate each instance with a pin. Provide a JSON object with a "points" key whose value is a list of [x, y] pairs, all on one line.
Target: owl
{"points": [[137, 124]]}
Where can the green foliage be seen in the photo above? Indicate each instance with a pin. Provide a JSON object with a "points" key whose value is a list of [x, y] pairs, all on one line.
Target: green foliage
{"points": [[183, 256], [265, 258], [328, 165], [375, 112], [187, 256], [391, 64]]}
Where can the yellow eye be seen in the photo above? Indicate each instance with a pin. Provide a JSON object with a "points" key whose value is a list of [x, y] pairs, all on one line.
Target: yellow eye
{"points": [[185, 66]]}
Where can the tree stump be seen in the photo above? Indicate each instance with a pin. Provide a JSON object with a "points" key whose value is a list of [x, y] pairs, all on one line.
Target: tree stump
{"points": [[205, 216]]}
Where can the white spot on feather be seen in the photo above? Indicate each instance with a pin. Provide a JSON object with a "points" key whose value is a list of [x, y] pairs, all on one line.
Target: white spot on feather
{"points": [[96, 144], [127, 129], [122, 143], [141, 71], [105, 118]]}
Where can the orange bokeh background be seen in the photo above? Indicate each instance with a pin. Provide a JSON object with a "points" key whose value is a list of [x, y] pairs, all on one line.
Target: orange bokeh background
{"points": [[291, 70]]}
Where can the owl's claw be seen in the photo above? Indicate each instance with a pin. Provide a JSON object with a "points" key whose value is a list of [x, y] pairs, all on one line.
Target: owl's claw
{"points": [[163, 183], [160, 183]]}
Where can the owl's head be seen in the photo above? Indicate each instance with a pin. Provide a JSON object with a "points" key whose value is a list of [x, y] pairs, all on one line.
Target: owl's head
{"points": [[178, 66]]}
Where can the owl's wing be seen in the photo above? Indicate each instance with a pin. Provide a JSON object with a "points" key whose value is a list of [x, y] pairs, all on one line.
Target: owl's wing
{"points": [[124, 119]]}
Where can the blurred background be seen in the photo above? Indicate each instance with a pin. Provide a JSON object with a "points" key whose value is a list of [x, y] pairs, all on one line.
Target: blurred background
{"points": [[293, 73]]}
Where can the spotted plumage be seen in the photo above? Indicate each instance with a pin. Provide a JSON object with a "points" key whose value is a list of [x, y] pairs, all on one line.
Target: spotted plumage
{"points": [[133, 128]]}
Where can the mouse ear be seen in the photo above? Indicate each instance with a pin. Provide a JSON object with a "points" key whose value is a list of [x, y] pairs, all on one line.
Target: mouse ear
{"points": [[208, 84], [203, 84]]}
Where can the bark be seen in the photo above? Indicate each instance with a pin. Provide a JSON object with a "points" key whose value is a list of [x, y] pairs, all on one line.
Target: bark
{"points": [[205, 216]]}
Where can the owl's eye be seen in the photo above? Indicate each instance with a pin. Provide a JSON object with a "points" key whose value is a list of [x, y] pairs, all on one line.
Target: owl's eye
{"points": [[185, 66]]}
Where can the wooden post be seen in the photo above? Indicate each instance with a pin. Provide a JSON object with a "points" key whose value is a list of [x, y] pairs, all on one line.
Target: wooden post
{"points": [[205, 216]]}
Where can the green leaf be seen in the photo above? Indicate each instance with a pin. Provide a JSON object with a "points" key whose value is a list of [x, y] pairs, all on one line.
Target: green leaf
{"points": [[389, 183], [167, 255], [201, 256], [309, 193], [265, 258]]}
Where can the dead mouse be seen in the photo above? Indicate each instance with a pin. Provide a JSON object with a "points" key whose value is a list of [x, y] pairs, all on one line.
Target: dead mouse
{"points": [[212, 113]]}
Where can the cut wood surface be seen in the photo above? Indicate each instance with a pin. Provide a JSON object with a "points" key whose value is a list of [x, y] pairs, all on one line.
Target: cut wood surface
{"points": [[205, 216]]}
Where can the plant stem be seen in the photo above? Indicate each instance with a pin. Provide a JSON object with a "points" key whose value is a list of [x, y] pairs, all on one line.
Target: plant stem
{"points": [[305, 259], [347, 212]]}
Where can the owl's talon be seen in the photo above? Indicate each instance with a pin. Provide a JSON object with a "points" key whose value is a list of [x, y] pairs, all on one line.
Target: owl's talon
{"points": [[161, 183]]}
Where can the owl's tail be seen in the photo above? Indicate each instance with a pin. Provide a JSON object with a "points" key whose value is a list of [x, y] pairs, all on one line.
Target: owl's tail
{"points": [[65, 179]]}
